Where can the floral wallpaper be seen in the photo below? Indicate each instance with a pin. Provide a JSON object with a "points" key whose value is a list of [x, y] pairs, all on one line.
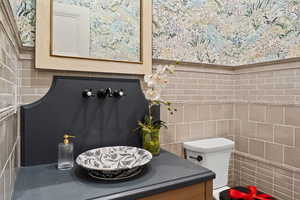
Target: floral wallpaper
{"points": [[225, 32], [24, 11]]}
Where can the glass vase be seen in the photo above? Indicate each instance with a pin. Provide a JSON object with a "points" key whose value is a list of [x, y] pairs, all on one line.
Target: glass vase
{"points": [[151, 142]]}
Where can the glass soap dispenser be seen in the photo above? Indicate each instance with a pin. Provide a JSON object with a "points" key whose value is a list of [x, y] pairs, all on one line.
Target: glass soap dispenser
{"points": [[65, 154]]}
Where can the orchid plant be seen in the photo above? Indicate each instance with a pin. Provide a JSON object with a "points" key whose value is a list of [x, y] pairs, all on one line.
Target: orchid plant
{"points": [[155, 82]]}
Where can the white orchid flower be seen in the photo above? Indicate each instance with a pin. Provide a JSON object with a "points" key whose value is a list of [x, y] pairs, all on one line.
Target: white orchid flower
{"points": [[170, 68], [153, 94], [160, 69], [160, 80], [164, 69], [155, 82], [149, 80]]}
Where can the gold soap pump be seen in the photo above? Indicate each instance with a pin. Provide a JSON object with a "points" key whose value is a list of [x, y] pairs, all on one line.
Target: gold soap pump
{"points": [[65, 153], [66, 138]]}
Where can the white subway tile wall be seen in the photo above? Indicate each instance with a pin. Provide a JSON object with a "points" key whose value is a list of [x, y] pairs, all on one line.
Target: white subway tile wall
{"points": [[9, 140], [267, 108], [274, 87]]}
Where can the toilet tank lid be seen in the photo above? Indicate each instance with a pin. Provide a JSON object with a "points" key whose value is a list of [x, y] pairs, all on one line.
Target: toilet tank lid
{"points": [[209, 145]]}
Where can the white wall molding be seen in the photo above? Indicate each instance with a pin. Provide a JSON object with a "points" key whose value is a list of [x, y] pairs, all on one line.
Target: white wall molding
{"points": [[293, 63], [27, 55], [288, 64]]}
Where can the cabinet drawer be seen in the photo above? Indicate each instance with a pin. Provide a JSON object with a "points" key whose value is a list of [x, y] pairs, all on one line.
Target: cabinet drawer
{"points": [[195, 192]]}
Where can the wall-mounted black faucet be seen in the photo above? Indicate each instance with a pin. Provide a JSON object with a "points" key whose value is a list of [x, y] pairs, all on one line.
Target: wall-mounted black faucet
{"points": [[108, 92], [103, 93]]}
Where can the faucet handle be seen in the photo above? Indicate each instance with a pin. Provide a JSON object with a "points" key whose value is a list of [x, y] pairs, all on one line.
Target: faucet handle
{"points": [[119, 93], [87, 93]]}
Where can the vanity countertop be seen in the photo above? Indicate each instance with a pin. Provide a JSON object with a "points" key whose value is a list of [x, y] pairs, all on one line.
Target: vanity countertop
{"points": [[165, 172]]}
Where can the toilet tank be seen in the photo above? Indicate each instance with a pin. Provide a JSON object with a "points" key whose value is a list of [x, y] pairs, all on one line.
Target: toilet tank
{"points": [[213, 154]]}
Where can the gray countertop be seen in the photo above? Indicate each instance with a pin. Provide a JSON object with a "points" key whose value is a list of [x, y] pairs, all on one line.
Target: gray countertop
{"points": [[165, 172]]}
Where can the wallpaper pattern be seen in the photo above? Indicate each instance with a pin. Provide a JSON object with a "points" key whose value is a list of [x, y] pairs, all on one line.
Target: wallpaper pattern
{"points": [[225, 32], [24, 11]]}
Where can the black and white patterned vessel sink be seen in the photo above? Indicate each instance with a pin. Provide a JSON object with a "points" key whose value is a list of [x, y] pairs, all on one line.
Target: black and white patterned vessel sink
{"points": [[111, 159]]}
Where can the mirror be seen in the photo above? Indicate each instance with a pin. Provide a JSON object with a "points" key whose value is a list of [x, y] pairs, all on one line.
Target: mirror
{"points": [[97, 30], [73, 41]]}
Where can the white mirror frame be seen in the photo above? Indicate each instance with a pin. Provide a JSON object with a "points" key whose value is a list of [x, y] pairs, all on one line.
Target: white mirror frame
{"points": [[44, 60]]}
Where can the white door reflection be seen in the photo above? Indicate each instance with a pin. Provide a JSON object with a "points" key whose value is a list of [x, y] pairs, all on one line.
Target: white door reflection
{"points": [[71, 30]]}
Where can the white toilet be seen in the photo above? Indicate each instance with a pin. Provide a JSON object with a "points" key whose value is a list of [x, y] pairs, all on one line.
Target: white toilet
{"points": [[213, 154]]}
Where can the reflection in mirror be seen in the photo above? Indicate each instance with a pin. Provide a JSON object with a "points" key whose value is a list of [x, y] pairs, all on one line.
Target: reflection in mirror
{"points": [[97, 29]]}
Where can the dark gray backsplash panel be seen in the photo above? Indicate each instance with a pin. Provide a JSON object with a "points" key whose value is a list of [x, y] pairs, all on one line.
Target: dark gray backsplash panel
{"points": [[95, 122]]}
